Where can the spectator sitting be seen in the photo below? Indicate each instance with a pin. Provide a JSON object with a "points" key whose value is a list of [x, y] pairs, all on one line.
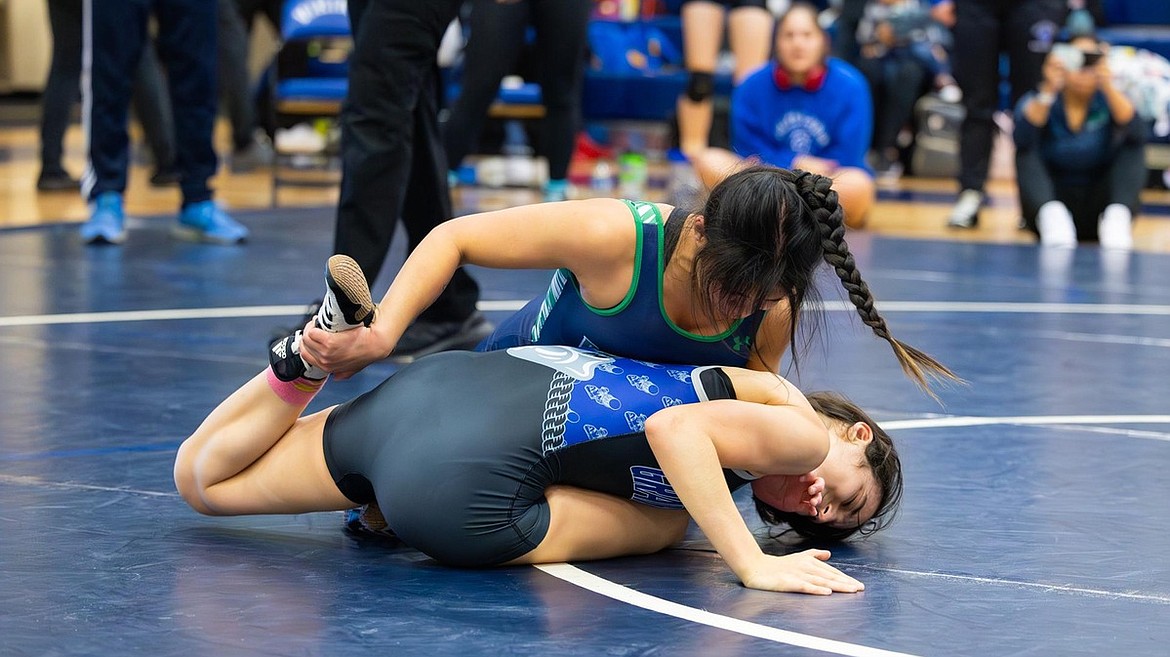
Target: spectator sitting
{"points": [[900, 46], [907, 29], [806, 111], [1079, 151]]}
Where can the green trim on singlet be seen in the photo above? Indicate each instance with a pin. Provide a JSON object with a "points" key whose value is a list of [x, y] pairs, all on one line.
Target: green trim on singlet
{"points": [[670, 322], [644, 213]]}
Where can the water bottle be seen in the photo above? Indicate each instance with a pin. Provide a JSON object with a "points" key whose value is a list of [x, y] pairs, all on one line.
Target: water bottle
{"points": [[682, 188], [518, 164], [632, 175], [601, 181]]}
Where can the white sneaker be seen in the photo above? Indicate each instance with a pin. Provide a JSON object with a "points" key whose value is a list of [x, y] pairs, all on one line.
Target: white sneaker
{"points": [[965, 214], [1056, 230], [1115, 231], [300, 139]]}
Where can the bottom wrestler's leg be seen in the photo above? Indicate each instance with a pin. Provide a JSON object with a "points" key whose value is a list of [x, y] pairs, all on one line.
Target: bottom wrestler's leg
{"points": [[588, 525], [254, 454]]}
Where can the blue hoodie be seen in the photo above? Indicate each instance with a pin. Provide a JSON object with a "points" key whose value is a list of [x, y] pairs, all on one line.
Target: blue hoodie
{"points": [[834, 122]]}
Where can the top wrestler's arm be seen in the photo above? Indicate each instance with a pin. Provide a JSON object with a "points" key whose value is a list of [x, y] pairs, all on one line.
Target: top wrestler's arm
{"points": [[694, 442], [592, 238]]}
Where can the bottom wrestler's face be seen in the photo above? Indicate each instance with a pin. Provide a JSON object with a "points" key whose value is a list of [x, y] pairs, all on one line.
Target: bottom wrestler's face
{"points": [[850, 494]]}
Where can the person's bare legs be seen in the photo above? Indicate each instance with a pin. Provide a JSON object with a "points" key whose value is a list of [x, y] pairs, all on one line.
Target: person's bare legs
{"points": [[856, 191], [255, 454], [702, 26], [750, 36], [712, 165], [588, 525]]}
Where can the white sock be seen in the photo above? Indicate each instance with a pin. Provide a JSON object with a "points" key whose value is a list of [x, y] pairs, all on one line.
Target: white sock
{"points": [[1115, 231], [1056, 226]]}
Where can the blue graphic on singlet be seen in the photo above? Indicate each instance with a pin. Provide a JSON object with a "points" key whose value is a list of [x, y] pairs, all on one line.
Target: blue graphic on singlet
{"points": [[652, 489], [595, 395], [620, 395]]}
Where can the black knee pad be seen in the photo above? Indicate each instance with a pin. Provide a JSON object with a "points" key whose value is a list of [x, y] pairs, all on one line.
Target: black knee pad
{"points": [[700, 86]]}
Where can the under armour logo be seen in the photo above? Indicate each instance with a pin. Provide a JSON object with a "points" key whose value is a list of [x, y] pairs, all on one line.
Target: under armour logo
{"points": [[741, 343]]}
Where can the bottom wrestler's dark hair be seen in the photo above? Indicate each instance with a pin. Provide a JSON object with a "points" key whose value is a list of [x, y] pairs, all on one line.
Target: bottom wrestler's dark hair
{"points": [[880, 455]]}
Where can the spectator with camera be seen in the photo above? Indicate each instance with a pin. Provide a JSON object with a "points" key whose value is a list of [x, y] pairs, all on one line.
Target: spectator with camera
{"points": [[1079, 151]]}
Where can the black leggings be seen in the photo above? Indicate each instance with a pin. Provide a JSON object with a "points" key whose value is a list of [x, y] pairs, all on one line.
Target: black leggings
{"points": [[895, 82], [1119, 182], [497, 35], [983, 29]]}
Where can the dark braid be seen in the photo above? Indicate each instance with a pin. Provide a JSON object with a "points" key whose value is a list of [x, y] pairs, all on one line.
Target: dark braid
{"points": [[816, 191]]}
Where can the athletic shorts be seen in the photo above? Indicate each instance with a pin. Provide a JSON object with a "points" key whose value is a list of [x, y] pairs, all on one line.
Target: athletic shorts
{"points": [[446, 448]]}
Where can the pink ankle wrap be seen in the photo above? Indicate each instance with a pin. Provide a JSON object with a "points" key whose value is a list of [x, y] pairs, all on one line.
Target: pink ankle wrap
{"points": [[295, 393]]}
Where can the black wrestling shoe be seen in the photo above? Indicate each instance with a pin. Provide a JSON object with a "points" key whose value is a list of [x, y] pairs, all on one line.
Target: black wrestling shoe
{"points": [[285, 360], [423, 338], [57, 181], [347, 303]]}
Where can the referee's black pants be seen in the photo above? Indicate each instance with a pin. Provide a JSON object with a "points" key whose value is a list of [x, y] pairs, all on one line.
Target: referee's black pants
{"points": [[393, 164]]}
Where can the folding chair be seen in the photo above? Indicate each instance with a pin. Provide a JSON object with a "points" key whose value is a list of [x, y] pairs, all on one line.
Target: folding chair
{"points": [[307, 85]]}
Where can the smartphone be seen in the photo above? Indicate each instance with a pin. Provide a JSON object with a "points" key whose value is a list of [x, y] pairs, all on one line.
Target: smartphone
{"points": [[1075, 59]]}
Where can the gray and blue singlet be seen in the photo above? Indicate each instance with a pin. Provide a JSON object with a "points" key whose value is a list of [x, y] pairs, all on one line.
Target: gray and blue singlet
{"points": [[458, 448]]}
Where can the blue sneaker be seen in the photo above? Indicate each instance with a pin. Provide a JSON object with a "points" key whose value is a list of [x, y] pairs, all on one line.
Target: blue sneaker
{"points": [[556, 190], [105, 220], [206, 222]]}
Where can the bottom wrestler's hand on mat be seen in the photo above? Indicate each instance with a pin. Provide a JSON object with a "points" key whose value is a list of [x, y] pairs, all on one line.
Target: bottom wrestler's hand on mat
{"points": [[803, 572]]}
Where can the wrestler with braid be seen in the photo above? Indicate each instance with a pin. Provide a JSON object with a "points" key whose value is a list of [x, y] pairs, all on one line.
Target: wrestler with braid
{"points": [[578, 455], [720, 285]]}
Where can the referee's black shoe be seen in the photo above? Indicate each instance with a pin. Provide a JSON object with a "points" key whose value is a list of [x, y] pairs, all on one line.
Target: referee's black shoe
{"points": [[423, 337]]}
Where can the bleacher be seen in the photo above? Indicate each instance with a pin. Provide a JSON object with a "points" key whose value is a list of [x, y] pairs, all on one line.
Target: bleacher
{"points": [[1143, 24], [1139, 23]]}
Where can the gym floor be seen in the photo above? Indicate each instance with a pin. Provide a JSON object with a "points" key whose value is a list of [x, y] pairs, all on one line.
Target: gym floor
{"points": [[1033, 520]]}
